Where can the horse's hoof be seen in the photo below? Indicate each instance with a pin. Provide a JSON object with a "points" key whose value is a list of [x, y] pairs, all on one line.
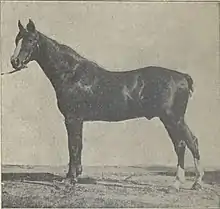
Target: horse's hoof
{"points": [[69, 181], [175, 187], [196, 186]]}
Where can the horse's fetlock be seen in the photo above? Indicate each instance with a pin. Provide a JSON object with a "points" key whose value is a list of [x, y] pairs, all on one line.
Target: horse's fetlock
{"points": [[196, 154]]}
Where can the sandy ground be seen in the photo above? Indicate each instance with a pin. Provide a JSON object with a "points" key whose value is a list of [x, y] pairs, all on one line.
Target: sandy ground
{"points": [[41, 186]]}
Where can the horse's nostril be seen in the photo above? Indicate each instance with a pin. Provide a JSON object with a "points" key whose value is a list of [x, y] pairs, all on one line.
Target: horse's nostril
{"points": [[15, 62]]}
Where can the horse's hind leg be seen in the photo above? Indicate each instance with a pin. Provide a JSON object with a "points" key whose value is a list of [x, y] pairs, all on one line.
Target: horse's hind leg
{"points": [[191, 141], [179, 147], [192, 144]]}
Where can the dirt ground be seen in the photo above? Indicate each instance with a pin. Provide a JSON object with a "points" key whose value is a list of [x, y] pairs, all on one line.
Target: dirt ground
{"points": [[41, 186]]}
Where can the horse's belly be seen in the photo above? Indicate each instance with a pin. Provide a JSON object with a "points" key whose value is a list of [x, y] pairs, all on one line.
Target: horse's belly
{"points": [[112, 111], [114, 105]]}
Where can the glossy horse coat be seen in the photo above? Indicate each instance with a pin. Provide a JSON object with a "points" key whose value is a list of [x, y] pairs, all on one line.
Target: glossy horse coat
{"points": [[87, 92]]}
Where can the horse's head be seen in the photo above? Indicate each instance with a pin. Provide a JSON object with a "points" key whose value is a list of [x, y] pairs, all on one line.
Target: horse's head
{"points": [[27, 46]]}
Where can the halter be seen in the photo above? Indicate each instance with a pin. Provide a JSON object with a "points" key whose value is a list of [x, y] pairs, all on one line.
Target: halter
{"points": [[13, 71]]}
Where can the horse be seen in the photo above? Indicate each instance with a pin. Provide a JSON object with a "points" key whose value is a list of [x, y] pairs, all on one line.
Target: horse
{"points": [[87, 92]]}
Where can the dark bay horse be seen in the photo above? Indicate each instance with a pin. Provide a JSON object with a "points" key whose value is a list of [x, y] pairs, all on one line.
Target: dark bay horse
{"points": [[87, 92]]}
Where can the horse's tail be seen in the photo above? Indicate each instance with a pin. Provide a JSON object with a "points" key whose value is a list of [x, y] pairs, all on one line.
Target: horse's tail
{"points": [[190, 83]]}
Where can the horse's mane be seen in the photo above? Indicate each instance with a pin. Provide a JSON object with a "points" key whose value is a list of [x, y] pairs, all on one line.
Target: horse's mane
{"points": [[69, 51], [66, 49]]}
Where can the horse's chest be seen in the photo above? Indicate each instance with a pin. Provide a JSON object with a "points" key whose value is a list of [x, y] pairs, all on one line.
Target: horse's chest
{"points": [[69, 91]]}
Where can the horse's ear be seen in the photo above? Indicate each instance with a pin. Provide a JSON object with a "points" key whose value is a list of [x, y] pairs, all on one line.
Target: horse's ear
{"points": [[30, 26], [20, 26]]}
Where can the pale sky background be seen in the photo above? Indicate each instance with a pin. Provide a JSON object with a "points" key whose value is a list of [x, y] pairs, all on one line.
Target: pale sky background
{"points": [[118, 36]]}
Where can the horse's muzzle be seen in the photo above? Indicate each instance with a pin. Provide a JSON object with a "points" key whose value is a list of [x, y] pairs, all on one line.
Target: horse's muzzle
{"points": [[17, 64]]}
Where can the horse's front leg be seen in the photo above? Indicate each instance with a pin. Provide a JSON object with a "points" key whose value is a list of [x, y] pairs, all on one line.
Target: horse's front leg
{"points": [[74, 127]]}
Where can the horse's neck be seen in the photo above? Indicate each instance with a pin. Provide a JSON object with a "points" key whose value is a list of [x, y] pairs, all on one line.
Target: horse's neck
{"points": [[55, 61]]}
